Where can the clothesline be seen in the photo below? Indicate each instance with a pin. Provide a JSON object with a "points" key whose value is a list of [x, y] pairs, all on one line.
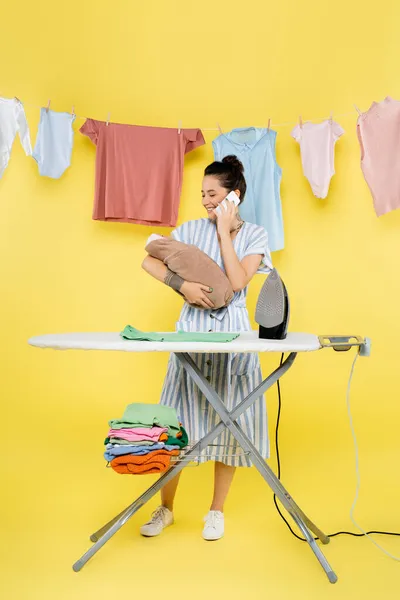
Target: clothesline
{"points": [[180, 124]]}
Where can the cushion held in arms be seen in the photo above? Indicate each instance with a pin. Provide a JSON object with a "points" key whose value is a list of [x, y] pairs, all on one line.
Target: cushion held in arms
{"points": [[192, 264]]}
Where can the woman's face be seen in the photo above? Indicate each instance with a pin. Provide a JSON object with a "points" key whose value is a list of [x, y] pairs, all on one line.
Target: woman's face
{"points": [[213, 193]]}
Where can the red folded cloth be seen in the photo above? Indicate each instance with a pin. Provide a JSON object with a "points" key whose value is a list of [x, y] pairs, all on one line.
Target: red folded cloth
{"points": [[153, 462]]}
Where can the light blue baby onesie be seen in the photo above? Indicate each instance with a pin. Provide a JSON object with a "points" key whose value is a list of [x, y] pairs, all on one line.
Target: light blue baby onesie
{"points": [[54, 142], [255, 148]]}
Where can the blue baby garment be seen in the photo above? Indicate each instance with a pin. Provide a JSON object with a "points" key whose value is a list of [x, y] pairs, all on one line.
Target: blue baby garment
{"points": [[54, 142], [255, 148]]}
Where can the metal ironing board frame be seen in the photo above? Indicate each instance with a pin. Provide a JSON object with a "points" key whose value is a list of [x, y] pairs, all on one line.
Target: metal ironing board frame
{"points": [[228, 420]]}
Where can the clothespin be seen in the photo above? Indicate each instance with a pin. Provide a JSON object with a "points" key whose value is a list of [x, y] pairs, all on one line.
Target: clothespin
{"points": [[179, 126], [301, 122], [357, 109], [73, 111], [17, 99], [48, 106], [269, 124], [219, 128], [331, 118], [108, 119]]}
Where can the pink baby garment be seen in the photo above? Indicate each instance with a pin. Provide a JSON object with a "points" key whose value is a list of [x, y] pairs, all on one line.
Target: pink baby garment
{"points": [[378, 132], [317, 148], [139, 171]]}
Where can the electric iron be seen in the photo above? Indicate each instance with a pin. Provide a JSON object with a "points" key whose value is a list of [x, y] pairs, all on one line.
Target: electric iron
{"points": [[273, 309]]}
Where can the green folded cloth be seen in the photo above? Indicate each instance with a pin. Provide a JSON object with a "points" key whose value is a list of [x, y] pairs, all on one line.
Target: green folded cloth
{"points": [[181, 442], [130, 333], [138, 414]]}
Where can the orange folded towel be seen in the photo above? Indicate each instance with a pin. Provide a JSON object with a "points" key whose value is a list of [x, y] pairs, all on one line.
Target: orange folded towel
{"points": [[153, 462]]}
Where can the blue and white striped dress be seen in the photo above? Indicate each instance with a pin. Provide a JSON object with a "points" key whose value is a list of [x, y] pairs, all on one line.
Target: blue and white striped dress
{"points": [[233, 376]]}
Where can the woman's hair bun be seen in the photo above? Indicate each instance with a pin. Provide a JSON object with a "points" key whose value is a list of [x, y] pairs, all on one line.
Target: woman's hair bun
{"points": [[234, 162]]}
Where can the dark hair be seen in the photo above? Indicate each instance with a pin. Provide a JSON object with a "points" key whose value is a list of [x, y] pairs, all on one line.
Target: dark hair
{"points": [[229, 172]]}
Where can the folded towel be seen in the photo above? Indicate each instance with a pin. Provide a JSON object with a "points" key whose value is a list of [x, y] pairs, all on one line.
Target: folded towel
{"points": [[154, 462]]}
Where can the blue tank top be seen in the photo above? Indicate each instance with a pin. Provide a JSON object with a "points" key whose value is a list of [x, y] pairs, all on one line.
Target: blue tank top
{"points": [[255, 148]]}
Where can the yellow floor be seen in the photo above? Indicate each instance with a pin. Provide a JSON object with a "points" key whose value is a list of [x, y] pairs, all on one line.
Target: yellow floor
{"points": [[257, 558]]}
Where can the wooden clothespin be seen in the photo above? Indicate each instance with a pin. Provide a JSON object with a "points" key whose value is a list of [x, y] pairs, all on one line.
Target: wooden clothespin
{"points": [[219, 128], [108, 119], [48, 106], [301, 122], [357, 109], [17, 99], [73, 111], [269, 124], [179, 126]]}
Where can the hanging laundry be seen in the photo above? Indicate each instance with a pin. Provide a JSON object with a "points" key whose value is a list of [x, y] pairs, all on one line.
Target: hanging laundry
{"points": [[54, 141], [378, 135], [317, 147], [139, 171], [12, 120], [255, 147]]}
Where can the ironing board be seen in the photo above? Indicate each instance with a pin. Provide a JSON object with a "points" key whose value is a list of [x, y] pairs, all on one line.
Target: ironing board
{"points": [[246, 342]]}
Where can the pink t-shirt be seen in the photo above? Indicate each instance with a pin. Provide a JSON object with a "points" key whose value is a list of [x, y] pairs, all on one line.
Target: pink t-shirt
{"points": [[378, 134], [139, 171]]}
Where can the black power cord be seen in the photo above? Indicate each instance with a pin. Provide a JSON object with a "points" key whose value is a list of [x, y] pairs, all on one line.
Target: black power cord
{"points": [[279, 476]]}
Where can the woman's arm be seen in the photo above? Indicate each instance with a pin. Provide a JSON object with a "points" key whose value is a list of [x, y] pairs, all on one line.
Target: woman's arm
{"points": [[238, 273], [194, 293], [155, 268]]}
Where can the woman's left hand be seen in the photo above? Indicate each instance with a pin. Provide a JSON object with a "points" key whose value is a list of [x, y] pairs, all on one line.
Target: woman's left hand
{"points": [[226, 219]]}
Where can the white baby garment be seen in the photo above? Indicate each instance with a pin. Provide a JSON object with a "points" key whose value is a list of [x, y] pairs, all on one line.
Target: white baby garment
{"points": [[12, 120], [317, 144]]}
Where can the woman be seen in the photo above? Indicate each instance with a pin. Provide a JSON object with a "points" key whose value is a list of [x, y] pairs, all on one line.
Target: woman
{"points": [[241, 250]]}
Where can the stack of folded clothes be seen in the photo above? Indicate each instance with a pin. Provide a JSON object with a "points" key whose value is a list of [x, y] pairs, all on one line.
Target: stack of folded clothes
{"points": [[144, 439]]}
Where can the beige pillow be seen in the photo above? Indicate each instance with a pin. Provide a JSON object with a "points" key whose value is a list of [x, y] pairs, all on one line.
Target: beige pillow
{"points": [[193, 265]]}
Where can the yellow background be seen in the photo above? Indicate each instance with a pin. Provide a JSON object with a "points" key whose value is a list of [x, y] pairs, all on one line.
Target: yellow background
{"points": [[155, 63]]}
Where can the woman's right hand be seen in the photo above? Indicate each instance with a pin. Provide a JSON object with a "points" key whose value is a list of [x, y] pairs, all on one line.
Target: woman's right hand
{"points": [[197, 293]]}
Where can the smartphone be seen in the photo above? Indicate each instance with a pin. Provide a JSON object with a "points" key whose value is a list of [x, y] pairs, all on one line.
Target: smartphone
{"points": [[231, 197]]}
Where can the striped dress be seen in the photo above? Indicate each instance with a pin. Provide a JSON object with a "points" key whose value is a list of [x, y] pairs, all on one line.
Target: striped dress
{"points": [[232, 375]]}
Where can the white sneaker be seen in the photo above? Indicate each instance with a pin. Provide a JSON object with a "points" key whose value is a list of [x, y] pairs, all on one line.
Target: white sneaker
{"points": [[214, 525], [161, 517]]}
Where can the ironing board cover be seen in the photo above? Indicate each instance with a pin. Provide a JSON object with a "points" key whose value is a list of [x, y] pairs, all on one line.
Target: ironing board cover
{"points": [[246, 342]]}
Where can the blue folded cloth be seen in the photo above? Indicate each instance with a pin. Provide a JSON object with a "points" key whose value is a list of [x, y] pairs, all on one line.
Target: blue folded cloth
{"points": [[113, 450]]}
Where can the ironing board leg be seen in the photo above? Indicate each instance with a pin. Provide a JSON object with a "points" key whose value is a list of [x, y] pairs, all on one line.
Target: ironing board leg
{"points": [[314, 547], [258, 461], [227, 420], [267, 383]]}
